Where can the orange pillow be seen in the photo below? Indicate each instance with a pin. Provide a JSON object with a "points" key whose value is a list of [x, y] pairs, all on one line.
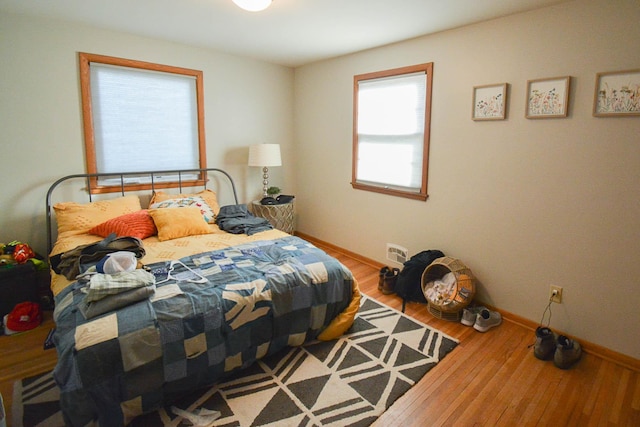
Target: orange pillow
{"points": [[173, 223], [209, 196], [137, 224]]}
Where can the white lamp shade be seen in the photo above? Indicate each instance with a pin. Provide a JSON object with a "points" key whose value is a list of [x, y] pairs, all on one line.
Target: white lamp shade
{"points": [[253, 5], [265, 155]]}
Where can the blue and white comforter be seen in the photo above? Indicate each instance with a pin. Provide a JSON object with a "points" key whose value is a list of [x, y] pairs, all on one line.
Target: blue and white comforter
{"points": [[257, 299]]}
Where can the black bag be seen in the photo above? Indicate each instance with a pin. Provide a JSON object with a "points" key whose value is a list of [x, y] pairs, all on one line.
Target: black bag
{"points": [[79, 259], [18, 283], [409, 283]]}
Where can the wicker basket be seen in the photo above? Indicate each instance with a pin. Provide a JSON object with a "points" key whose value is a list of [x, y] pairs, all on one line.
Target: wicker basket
{"points": [[449, 306]]}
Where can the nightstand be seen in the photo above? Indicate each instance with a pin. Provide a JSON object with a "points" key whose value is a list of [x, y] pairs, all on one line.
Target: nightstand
{"points": [[280, 216]]}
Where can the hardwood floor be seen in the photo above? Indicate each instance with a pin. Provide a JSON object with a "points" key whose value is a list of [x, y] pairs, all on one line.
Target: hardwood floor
{"points": [[490, 379], [493, 378], [23, 355]]}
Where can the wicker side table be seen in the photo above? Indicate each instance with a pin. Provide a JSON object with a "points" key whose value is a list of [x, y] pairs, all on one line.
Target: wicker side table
{"points": [[280, 216]]}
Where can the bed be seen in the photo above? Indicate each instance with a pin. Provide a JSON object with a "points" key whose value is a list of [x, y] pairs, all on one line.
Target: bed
{"points": [[218, 301]]}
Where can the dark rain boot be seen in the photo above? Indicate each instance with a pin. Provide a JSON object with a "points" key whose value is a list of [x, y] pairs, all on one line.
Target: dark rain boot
{"points": [[381, 276], [545, 344], [568, 352], [390, 281]]}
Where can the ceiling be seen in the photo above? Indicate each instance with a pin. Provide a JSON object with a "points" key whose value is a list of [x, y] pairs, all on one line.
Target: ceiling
{"points": [[290, 32]]}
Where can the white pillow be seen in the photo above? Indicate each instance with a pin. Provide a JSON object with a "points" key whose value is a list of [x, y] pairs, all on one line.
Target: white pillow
{"points": [[183, 202]]}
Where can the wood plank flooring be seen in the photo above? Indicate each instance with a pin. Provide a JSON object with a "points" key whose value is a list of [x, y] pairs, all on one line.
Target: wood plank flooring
{"points": [[493, 378], [490, 379], [23, 355]]}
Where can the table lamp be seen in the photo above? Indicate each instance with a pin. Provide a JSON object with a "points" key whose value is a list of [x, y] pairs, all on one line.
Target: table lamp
{"points": [[265, 155]]}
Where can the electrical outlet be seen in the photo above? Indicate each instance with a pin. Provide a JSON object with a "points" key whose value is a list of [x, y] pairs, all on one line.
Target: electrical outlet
{"points": [[555, 294]]}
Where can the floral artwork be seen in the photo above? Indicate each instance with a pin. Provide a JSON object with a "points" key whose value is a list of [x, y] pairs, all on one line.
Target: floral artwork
{"points": [[617, 93], [489, 102], [548, 98], [545, 102]]}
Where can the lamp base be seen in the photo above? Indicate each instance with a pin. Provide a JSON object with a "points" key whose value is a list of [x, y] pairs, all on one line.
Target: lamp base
{"points": [[265, 181]]}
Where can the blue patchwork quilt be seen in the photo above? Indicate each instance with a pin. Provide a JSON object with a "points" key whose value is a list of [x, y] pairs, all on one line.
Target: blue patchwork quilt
{"points": [[211, 314]]}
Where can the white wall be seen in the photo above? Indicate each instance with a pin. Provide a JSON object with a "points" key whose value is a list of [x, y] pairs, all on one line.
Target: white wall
{"points": [[524, 203], [246, 102]]}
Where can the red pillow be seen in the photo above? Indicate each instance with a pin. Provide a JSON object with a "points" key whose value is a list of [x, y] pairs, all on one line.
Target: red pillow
{"points": [[137, 224]]}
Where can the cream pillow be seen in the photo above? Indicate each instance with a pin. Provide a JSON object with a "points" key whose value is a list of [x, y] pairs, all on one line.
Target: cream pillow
{"points": [[183, 202], [209, 197], [173, 223], [78, 218]]}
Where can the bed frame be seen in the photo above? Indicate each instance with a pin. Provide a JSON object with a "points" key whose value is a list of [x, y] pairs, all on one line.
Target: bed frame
{"points": [[129, 182], [251, 300]]}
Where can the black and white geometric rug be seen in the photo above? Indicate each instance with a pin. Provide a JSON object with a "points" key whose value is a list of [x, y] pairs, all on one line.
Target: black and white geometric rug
{"points": [[349, 381]]}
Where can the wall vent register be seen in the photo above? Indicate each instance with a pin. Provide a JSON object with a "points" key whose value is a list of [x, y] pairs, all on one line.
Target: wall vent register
{"points": [[397, 253]]}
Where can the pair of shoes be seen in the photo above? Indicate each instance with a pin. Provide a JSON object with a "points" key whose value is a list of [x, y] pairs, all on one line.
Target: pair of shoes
{"points": [[388, 279], [481, 318], [470, 314], [564, 351], [486, 320]]}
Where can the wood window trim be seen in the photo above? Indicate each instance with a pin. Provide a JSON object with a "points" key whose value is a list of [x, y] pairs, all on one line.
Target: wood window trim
{"points": [[85, 60], [423, 194]]}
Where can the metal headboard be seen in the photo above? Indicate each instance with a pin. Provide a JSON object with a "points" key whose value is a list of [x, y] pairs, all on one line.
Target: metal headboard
{"points": [[125, 186]]}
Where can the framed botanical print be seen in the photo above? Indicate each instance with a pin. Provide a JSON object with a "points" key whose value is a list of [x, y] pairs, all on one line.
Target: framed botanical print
{"points": [[489, 102], [548, 98], [617, 94]]}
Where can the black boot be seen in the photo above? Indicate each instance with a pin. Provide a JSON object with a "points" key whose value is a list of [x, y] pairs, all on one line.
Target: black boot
{"points": [[381, 276], [389, 282]]}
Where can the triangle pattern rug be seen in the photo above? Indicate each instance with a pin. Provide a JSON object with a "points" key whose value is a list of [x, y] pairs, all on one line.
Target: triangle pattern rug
{"points": [[348, 381]]}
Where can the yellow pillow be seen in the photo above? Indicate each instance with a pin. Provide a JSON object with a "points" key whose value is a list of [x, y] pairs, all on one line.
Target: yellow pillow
{"points": [[209, 196], [78, 218], [173, 223]]}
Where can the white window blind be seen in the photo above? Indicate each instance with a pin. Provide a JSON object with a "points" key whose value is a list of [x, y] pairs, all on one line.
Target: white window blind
{"points": [[143, 120], [390, 131]]}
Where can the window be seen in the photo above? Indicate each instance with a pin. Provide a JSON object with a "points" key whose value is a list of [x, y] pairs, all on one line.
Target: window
{"points": [[391, 121], [141, 117]]}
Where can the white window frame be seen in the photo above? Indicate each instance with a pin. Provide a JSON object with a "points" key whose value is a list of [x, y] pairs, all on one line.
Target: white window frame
{"points": [[91, 152], [417, 192]]}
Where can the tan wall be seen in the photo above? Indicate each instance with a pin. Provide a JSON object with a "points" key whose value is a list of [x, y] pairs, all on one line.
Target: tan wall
{"points": [[246, 102], [524, 203]]}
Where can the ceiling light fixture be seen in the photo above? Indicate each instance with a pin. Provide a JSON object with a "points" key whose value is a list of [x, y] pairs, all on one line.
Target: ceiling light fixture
{"points": [[253, 5]]}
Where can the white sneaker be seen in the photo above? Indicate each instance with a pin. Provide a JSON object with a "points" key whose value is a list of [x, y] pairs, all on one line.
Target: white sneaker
{"points": [[486, 320], [470, 314]]}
